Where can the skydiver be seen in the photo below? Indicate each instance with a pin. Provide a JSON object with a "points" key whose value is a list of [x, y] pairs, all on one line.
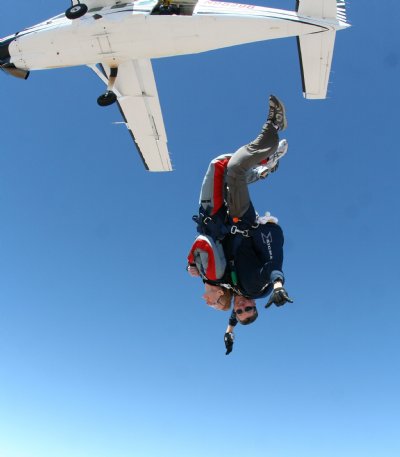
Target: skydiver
{"points": [[237, 251]]}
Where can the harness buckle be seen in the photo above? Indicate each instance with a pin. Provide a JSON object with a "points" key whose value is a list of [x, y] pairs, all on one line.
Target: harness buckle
{"points": [[235, 230]]}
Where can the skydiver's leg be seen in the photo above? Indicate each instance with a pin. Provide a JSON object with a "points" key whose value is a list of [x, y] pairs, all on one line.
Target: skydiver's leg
{"points": [[252, 154], [212, 189], [243, 159]]}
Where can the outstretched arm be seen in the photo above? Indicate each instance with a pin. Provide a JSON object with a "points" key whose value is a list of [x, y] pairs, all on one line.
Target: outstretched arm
{"points": [[279, 295], [229, 336]]}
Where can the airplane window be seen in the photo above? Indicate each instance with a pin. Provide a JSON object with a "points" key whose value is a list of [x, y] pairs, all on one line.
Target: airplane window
{"points": [[121, 5], [98, 8]]}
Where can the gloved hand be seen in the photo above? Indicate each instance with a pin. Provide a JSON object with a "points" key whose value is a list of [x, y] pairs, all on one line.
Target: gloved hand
{"points": [[279, 296], [228, 339]]}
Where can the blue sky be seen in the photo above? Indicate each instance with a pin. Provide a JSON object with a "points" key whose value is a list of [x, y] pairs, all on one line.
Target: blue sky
{"points": [[107, 350]]}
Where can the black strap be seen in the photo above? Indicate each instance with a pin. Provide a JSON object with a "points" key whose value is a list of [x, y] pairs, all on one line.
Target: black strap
{"points": [[216, 226]]}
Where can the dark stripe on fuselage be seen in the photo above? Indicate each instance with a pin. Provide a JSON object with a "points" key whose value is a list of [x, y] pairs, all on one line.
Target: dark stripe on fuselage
{"points": [[122, 11]]}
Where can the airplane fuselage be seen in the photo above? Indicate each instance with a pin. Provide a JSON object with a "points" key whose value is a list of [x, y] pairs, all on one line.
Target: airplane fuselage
{"points": [[114, 35]]}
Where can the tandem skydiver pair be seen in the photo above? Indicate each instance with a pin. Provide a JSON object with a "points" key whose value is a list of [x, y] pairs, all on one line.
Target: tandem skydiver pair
{"points": [[238, 253]]}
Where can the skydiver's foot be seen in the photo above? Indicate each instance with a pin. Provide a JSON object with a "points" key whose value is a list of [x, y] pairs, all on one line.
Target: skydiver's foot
{"points": [[276, 115], [273, 161]]}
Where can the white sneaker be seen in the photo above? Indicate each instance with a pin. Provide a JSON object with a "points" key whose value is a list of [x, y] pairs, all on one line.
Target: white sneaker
{"points": [[273, 161], [277, 155]]}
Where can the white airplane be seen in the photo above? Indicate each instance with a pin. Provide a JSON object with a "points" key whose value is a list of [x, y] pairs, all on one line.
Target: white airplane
{"points": [[117, 40]]}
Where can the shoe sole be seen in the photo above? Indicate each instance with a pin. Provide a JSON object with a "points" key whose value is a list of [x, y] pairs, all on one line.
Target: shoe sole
{"points": [[282, 106]]}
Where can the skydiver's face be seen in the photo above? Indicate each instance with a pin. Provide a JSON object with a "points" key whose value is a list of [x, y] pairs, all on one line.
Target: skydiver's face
{"points": [[244, 307], [212, 294]]}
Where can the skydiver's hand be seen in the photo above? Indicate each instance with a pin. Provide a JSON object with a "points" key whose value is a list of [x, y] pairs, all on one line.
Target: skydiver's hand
{"points": [[228, 339], [193, 271], [279, 296]]}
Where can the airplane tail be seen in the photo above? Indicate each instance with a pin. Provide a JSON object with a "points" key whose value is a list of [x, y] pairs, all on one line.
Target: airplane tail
{"points": [[316, 50], [327, 9]]}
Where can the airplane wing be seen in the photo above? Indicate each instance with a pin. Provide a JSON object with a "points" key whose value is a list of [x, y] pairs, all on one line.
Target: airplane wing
{"points": [[139, 104], [332, 9], [315, 52]]}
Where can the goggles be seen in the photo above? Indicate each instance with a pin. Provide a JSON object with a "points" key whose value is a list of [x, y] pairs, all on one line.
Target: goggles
{"points": [[245, 310]]}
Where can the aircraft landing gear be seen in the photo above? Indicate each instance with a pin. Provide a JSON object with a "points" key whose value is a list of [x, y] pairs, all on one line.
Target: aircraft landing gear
{"points": [[76, 11], [109, 97]]}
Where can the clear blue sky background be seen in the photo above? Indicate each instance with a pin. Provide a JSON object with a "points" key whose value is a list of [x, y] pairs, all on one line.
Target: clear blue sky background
{"points": [[106, 348]]}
